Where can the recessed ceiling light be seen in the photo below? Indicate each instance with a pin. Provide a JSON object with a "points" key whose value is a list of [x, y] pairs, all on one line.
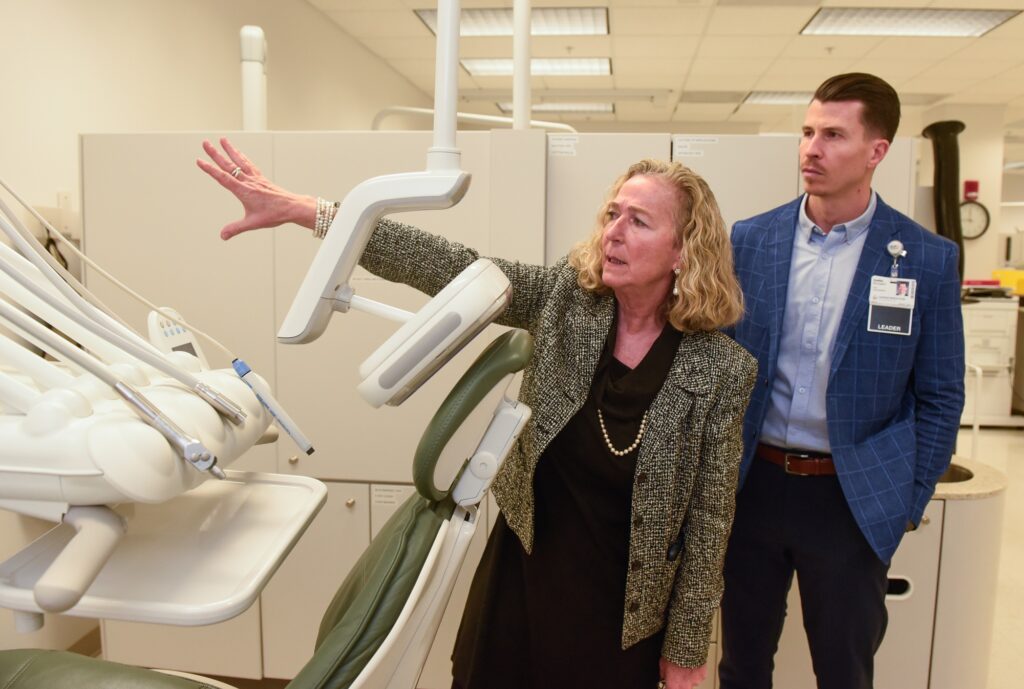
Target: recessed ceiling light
{"points": [[882, 21], [540, 66], [587, 108], [544, 21], [778, 98]]}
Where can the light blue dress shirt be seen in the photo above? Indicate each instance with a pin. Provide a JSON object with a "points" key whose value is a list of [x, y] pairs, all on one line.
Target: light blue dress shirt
{"points": [[820, 276]]}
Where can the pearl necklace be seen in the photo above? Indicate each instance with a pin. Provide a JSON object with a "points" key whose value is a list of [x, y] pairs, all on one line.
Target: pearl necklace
{"points": [[608, 442]]}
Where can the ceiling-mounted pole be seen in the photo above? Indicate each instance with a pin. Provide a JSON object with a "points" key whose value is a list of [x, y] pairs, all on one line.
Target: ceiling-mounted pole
{"points": [[254, 79], [443, 155], [521, 64]]}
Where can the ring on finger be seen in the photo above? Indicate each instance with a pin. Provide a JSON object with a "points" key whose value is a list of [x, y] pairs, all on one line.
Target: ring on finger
{"points": [[236, 172], [661, 684]]}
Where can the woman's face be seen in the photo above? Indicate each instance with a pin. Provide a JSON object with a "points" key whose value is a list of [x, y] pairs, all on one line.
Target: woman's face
{"points": [[639, 241]]}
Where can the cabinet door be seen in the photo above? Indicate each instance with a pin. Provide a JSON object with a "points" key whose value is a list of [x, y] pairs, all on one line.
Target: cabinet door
{"points": [[296, 598], [230, 648], [905, 656]]}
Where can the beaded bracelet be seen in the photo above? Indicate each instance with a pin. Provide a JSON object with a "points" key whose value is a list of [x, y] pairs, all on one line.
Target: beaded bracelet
{"points": [[325, 212]]}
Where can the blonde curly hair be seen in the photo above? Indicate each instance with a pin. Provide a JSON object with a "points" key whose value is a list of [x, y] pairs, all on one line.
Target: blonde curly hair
{"points": [[709, 293]]}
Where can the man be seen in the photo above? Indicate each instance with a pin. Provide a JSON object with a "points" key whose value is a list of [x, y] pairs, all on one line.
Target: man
{"points": [[856, 409]]}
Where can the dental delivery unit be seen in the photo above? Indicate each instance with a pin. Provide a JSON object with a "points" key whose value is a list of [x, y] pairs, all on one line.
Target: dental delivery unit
{"points": [[116, 436]]}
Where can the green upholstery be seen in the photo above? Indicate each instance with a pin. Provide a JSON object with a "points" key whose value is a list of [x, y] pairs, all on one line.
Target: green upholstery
{"points": [[509, 353], [372, 596], [36, 669]]}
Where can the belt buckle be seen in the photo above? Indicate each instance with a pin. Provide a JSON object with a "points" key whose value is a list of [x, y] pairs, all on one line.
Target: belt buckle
{"points": [[794, 455]]}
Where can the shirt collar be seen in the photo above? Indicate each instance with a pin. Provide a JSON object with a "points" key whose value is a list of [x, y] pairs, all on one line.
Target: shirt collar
{"points": [[852, 228]]}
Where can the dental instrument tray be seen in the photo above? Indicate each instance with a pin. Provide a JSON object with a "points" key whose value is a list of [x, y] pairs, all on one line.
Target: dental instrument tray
{"points": [[200, 558]]}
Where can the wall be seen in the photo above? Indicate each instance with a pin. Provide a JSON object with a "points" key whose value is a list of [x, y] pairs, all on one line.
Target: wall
{"points": [[68, 67]]}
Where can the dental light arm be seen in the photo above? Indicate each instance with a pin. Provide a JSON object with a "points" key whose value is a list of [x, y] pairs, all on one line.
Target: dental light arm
{"points": [[326, 285]]}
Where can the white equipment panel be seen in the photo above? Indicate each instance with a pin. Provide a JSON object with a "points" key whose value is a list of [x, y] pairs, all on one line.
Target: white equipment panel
{"points": [[581, 169], [200, 558]]}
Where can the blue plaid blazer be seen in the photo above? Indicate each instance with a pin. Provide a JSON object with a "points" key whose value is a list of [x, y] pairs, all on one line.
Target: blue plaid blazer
{"points": [[893, 402]]}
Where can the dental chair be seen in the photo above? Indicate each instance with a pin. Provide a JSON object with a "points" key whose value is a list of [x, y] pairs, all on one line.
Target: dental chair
{"points": [[378, 628]]}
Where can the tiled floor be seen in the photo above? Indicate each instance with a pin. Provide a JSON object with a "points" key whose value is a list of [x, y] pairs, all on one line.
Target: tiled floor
{"points": [[1004, 450]]}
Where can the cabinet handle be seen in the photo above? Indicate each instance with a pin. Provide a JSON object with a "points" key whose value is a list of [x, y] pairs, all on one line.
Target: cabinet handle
{"points": [[294, 459], [925, 520], [350, 502]]}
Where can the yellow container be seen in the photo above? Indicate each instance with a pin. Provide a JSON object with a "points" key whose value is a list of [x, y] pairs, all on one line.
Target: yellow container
{"points": [[1009, 277]]}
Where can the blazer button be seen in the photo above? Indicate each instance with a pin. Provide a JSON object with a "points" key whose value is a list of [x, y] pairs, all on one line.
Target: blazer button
{"points": [[641, 477], [637, 565], [633, 606], [638, 520]]}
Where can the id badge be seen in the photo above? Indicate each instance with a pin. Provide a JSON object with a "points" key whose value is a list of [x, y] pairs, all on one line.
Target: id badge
{"points": [[891, 305]]}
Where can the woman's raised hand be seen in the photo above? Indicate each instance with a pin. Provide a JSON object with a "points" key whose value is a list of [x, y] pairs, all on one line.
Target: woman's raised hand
{"points": [[265, 204]]}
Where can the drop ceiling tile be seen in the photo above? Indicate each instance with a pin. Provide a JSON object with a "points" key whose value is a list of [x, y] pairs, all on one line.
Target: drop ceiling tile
{"points": [[657, 21], [893, 71], [661, 82], [590, 82], [769, 113], [1011, 29], [977, 70], [721, 66], [343, 5], [634, 111], [759, 21], [410, 47], [991, 48], [776, 81], [743, 46], [918, 47], [819, 70], [976, 98], [365, 24], [654, 46], [720, 82], [702, 112], [834, 47], [942, 85], [877, 3], [568, 46], [634, 66]]}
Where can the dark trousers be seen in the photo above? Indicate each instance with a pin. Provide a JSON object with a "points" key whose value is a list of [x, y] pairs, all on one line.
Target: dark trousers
{"points": [[788, 523]]}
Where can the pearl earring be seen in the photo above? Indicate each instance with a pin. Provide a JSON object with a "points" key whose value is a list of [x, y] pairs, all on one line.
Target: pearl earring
{"points": [[675, 285]]}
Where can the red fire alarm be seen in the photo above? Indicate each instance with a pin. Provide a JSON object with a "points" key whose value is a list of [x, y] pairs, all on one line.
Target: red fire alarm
{"points": [[971, 189]]}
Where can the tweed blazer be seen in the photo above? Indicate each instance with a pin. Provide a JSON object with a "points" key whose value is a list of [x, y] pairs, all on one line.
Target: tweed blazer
{"points": [[687, 468]]}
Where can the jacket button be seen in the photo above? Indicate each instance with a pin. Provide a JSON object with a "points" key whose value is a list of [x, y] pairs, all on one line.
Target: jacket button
{"points": [[637, 565], [633, 606], [641, 477], [638, 520]]}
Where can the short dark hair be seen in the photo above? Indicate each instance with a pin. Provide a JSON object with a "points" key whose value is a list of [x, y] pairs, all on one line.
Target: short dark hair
{"points": [[881, 103]]}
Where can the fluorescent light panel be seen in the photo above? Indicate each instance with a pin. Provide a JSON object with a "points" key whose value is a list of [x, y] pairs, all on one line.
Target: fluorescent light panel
{"points": [[544, 21], [880, 21], [778, 98], [577, 108], [540, 66]]}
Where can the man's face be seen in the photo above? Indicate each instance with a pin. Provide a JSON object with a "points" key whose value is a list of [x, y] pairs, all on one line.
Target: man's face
{"points": [[837, 154]]}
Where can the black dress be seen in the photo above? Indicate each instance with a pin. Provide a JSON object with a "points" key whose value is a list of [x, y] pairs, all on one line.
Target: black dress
{"points": [[553, 618]]}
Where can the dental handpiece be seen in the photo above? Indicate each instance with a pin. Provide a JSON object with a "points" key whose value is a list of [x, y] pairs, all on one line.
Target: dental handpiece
{"points": [[263, 394]]}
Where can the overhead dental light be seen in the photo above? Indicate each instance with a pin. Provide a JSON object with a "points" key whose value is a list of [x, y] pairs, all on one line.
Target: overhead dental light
{"points": [[440, 329]]}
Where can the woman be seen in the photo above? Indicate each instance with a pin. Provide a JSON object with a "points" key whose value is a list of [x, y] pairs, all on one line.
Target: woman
{"points": [[604, 568]]}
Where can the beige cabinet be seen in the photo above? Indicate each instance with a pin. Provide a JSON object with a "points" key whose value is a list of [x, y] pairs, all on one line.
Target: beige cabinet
{"points": [[296, 598]]}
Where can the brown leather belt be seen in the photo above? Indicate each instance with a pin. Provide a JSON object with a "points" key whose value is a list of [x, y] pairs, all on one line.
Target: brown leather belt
{"points": [[798, 463]]}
